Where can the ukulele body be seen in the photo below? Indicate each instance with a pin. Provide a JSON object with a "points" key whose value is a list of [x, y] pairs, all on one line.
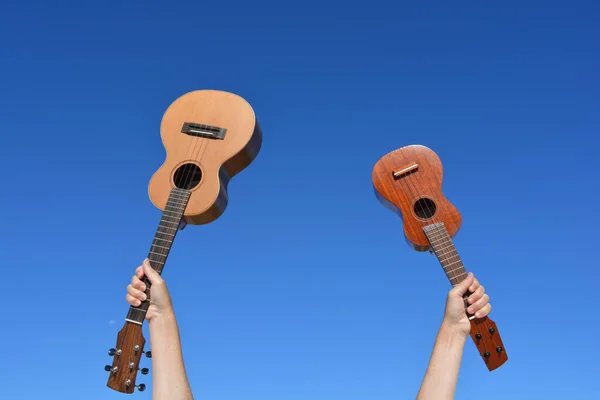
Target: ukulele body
{"points": [[209, 136], [408, 181]]}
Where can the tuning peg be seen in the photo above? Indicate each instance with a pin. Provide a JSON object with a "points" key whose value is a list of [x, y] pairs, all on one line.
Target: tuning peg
{"points": [[144, 371], [112, 352], [108, 368], [148, 354], [141, 387]]}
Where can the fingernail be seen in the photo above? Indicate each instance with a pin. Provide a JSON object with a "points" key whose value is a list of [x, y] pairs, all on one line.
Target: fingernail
{"points": [[143, 296], [477, 314]]}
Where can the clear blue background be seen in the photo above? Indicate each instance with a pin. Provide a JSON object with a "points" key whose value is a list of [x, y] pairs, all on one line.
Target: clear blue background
{"points": [[305, 288]]}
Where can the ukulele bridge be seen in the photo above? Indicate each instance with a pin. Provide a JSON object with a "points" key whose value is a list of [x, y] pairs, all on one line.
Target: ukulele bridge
{"points": [[411, 169], [205, 131]]}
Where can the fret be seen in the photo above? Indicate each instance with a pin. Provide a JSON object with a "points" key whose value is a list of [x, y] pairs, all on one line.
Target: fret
{"points": [[452, 263], [455, 269], [161, 245], [176, 205], [167, 240], [171, 212], [163, 241], [443, 249], [164, 224], [167, 234], [165, 237], [178, 198]]}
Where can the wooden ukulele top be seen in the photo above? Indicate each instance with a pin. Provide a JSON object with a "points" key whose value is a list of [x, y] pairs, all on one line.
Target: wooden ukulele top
{"points": [[408, 181], [209, 137]]}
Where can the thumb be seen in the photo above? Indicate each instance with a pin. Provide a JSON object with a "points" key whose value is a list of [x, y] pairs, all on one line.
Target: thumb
{"points": [[462, 287], [150, 273]]}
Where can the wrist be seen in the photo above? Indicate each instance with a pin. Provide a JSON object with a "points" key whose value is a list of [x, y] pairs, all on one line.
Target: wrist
{"points": [[162, 317], [452, 332]]}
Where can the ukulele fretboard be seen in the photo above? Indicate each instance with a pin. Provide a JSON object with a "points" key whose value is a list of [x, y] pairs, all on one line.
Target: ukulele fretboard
{"points": [[161, 245], [443, 247]]}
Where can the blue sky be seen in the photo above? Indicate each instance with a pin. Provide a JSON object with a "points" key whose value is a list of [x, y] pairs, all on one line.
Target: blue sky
{"points": [[304, 288]]}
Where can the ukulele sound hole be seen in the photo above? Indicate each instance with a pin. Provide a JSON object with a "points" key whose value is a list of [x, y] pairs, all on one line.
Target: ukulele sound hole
{"points": [[187, 176], [424, 208]]}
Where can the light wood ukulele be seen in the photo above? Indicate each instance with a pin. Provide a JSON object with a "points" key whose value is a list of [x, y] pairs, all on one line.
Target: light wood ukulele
{"points": [[408, 181], [209, 136]]}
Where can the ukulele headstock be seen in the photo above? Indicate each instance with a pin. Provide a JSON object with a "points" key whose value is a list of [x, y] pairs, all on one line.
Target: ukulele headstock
{"points": [[126, 359], [408, 181], [486, 337]]}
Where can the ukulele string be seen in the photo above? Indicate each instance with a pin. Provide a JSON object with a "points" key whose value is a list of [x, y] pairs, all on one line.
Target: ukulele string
{"points": [[202, 152], [414, 183], [189, 156], [424, 211], [194, 157], [185, 174], [477, 321], [428, 211]]}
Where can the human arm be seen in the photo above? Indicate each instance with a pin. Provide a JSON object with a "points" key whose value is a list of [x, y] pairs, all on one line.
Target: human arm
{"points": [[169, 377], [442, 372]]}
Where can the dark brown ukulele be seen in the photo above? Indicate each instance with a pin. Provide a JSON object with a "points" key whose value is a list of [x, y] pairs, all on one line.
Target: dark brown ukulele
{"points": [[408, 181], [209, 136]]}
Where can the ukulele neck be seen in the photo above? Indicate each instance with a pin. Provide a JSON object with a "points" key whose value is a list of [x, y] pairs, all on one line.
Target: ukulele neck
{"points": [[443, 247], [168, 226], [484, 332]]}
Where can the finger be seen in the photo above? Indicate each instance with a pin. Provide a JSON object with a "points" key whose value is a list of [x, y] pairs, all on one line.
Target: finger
{"points": [[136, 283], [476, 295], [138, 294], [139, 272], [462, 287], [150, 273], [478, 305], [132, 300], [484, 312], [474, 286]]}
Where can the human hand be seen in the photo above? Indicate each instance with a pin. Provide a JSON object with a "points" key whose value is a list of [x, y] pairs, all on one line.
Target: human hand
{"points": [[455, 315], [160, 300]]}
